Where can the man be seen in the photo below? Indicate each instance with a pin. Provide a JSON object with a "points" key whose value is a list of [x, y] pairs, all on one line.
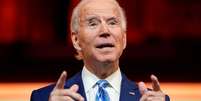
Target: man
{"points": [[99, 36]]}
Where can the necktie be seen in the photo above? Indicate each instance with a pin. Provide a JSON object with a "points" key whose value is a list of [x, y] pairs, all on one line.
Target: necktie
{"points": [[102, 94]]}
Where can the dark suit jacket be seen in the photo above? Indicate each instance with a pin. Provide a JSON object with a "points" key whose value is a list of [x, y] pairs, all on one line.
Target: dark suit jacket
{"points": [[129, 90]]}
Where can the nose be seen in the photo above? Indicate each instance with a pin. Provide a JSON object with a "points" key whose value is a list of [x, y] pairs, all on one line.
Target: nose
{"points": [[105, 34], [104, 31]]}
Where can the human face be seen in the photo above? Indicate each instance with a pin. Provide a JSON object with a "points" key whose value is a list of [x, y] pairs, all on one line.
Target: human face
{"points": [[100, 35]]}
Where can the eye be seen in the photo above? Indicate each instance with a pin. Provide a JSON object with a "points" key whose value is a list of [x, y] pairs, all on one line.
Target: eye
{"points": [[92, 23], [113, 22]]}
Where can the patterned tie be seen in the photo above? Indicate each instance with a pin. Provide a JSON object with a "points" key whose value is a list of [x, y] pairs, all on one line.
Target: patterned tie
{"points": [[102, 94]]}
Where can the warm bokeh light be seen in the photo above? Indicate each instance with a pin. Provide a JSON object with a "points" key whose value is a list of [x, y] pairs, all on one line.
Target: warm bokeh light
{"points": [[17, 91], [164, 37], [177, 91], [182, 91]]}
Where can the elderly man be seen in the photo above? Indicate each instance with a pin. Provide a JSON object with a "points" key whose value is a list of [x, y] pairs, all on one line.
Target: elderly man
{"points": [[99, 36]]}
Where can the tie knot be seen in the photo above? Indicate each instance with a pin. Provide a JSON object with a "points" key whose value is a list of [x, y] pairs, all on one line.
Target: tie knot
{"points": [[102, 83]]}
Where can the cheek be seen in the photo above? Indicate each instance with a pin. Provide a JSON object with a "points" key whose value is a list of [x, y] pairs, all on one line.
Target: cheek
{"points": [[87, 37], [119, 36], [121, 41]]}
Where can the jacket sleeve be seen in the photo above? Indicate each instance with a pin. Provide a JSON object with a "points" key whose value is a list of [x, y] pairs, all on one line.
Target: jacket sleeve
{"points": [[35, 96], [167, 98], [41, 94]]}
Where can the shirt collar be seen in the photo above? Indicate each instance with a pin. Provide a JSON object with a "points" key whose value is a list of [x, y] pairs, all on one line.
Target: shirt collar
{"points": [[89, 79], [115, 80]]}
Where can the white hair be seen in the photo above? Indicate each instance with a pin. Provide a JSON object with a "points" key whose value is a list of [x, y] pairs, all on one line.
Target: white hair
{"points": [[76, 12]]}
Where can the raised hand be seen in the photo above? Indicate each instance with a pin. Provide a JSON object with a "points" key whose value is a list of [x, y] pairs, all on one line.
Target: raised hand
{"points": [[61, 94], [151, 95]]}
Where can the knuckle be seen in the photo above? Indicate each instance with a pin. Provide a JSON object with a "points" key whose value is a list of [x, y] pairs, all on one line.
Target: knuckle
{"points": [[68, 98], [161, 94], [52, 98], [149, 98], [162, 99], [54, 92], [148, 93]]}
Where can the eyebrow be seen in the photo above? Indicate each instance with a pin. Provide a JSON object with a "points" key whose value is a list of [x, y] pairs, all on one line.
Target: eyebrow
{"points": [[91, 18], [112, 18]]}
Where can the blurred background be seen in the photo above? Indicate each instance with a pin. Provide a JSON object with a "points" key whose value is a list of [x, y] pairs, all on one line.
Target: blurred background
{"points": [[164, 38]]}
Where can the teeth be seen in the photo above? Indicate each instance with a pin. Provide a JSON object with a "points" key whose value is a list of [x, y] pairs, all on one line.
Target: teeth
{"points": [[105, 45]]}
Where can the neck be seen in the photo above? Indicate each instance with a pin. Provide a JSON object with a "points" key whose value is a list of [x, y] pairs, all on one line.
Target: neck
{"points": [[102, 70]]}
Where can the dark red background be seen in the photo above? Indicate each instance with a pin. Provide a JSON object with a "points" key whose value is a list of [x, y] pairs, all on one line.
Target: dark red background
{"points": [[164, 38]]}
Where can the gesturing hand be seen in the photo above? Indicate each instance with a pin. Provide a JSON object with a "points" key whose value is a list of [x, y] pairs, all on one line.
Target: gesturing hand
{"points": [[151, 95], [61, 94]]}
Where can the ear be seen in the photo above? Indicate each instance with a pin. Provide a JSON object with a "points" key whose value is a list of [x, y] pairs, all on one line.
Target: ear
{"points": [[75, 41], [124, 40]]}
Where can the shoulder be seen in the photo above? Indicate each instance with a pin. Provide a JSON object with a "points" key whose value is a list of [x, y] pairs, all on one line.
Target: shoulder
{"points": [[130, 90], [128, 83], [43, 93]]}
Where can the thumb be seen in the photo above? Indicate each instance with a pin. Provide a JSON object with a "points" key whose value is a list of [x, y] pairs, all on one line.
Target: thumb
{"points": [[155, 83], [61, 81], [142, 87]]}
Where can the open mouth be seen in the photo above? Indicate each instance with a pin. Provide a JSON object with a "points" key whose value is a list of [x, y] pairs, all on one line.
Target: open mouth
{"points": [[105, 45]]}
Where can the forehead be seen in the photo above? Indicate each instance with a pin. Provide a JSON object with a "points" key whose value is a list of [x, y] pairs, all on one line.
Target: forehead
{"points": [[99, 8]]}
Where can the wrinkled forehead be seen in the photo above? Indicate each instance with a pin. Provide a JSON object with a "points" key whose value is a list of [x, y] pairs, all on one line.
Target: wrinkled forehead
{"points": [[99, 8]]}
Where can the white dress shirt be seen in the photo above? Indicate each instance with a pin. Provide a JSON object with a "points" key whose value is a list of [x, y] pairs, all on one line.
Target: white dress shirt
{"points": [[89, 81]]}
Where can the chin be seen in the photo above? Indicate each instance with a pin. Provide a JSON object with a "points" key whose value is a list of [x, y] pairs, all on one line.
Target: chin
{"points": [[107, 59]]}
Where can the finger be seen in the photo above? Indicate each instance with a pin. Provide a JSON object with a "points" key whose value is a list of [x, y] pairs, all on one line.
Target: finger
{"points": [[66, 98], [74, 88], [74, 95], [61, 81], [155, 83], [151, 98], [145, 96], [61, 98], [156, 99], [142, 87], [68, 92]]}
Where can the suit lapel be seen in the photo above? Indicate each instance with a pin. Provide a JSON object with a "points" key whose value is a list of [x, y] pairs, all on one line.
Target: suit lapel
{"points": [[77, 79], [129, 90], [81, 90]]}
